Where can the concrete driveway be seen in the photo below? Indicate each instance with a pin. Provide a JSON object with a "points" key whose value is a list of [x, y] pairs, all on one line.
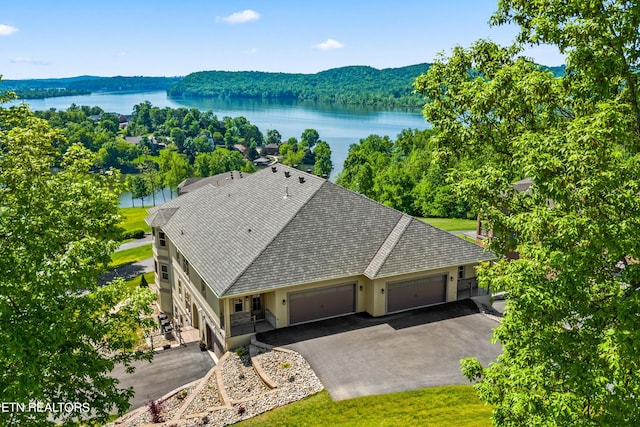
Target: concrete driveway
{"points": [[169, 370], [359, 355]]}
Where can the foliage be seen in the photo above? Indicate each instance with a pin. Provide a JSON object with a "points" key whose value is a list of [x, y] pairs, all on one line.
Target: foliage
{"points": [[570, 337], [346, 85], [405, 174], [139, 186], [49, 93], [322, 154], [62, 333], [155, 411], [138, 233], [440, 406]]}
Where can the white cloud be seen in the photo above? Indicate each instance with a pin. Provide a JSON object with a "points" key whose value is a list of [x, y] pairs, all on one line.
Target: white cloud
{"points": [[241, 17], [26, 60], [7, 30], [328, 45], [252, 51]]}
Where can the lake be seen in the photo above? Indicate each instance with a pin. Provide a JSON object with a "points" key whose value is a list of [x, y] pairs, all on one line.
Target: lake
{"points": [[339, 125]]}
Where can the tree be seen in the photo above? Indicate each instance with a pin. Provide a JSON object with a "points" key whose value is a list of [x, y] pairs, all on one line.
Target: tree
{"points": [[310, 137], [273, 136], [323, 163], [569, 336], [61, 333], [139, 187], [174, 167]]}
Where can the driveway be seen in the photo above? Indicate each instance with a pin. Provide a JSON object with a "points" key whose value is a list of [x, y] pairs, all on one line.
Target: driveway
{"points": [[359, 355], [169, 370]]}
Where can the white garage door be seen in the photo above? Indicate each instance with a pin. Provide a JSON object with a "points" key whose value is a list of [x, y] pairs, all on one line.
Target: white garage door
{"points": [[415, 293], [322, 303]]}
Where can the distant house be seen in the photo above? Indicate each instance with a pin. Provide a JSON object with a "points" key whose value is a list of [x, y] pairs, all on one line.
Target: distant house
{"points": [[272, 149], [282, 247], [261, 162]]}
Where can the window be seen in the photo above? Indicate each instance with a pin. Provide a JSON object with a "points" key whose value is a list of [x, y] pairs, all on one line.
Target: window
{"points": [[185, 265], [155, 266], [187, 300], [461, 272], [165, 272], [180, 288], [162, 238], [237, 303]]}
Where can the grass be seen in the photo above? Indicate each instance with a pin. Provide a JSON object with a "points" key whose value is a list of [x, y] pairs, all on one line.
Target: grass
{"points": [[135, 282], [128, 256], [441, 406], [451, 224], [133, 219]]}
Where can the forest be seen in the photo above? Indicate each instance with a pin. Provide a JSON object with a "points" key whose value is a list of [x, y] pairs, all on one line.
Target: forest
{"points": [[87, 84], [345, 85]]}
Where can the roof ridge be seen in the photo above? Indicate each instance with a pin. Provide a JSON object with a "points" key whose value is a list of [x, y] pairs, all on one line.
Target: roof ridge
{"points": [[275, 236], [387, 246]]}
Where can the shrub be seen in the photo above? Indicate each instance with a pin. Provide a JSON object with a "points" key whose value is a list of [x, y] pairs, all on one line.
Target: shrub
{"points": [[241, 352], [143, 282], [133, 234], [241, 410], [286, 365], [155, 410]]}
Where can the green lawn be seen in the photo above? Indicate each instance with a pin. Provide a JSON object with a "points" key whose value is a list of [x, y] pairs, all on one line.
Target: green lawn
{"points": [[135, 282], [450, 406], [133, 219], [128, 256], [451, 224]]}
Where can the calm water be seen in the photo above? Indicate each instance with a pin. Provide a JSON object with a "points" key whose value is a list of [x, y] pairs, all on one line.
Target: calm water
{"points": [[340, 126]]}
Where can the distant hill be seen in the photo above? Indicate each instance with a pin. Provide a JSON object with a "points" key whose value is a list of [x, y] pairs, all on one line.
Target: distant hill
{"points": [[92, 84], [345, 85]]}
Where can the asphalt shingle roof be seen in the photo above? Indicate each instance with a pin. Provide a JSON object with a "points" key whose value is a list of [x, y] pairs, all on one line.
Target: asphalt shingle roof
{"points": [[248, 236]]}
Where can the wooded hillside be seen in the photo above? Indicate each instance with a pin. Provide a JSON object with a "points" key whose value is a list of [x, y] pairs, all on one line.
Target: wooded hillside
{"points": [[346, 85]]}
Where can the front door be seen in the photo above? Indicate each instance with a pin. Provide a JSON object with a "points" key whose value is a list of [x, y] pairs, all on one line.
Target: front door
{"points": [[257, 307]]}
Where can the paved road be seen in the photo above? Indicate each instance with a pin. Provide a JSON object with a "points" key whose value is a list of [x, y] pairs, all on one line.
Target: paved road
{"points": [[146, 240], [169, 370], [358, 355]]}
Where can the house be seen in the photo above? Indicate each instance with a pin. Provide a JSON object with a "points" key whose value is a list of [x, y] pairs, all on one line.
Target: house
{"points": [[281, 247], [272, 149]]}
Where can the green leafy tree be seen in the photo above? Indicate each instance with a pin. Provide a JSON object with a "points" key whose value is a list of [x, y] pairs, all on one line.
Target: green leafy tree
{"points": [[310, 138], [139, 186], [174, 167], [273, 136], [569, 336], [61, 333], [323, 165]]}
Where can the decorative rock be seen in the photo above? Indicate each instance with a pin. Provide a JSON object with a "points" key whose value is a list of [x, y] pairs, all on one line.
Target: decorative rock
{"points": [[248, 392]]}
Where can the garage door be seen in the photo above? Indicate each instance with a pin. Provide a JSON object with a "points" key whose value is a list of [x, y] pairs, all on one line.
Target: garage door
{"points": [[414, 293], [322, 303]]}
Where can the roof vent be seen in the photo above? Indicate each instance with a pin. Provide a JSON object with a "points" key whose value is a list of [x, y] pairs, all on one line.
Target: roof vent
{"points": [[231, 175], [308, 170], [286, 192], [325, 176], [287, 174], [295, 166], [274, 169], [301, 178]]}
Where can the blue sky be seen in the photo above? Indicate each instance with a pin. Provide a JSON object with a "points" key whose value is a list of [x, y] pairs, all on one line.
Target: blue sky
{"points": [[40, 39]]}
